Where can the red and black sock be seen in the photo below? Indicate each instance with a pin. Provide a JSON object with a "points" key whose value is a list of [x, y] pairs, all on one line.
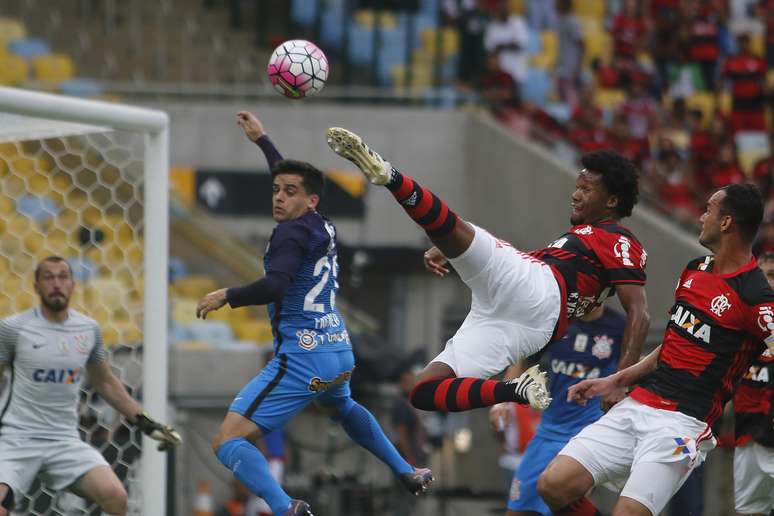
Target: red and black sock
{"points": [[422, 205], [580, 507], [458, 394]]}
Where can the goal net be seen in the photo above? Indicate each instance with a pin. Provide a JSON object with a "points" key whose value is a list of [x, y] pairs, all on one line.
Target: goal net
{"points": [[88, 181]]}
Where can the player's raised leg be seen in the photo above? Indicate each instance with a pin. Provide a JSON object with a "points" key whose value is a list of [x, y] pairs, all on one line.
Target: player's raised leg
{"points": [[448, 232]]}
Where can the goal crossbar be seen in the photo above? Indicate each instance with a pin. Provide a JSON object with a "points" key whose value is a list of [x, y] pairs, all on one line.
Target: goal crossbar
{"points": [[154, 125]]}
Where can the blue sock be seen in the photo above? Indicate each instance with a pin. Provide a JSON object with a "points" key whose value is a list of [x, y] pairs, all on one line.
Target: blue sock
{"points": [[361, 426], [250, 467]]}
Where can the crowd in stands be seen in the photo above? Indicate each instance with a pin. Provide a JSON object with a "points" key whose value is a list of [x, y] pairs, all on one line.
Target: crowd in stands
{"points": [[682, 88]]}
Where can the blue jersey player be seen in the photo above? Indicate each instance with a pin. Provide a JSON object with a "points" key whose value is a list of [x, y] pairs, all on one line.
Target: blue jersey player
{"points": [[590, 349], [313, 355]]}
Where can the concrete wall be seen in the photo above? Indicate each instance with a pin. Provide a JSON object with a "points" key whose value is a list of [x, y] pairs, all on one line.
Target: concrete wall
{"points": [[428, 143]]}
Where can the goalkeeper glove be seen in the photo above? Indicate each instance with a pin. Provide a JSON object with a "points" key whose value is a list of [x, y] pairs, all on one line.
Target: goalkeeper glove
{"points": [[166, 435]]}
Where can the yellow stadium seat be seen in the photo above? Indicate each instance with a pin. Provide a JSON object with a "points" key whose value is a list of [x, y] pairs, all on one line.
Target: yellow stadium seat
{"points": [[195, 285], [770, 79], [194, 345], [758, 44], [725, 103], [183, 310], [704, 102], [7, 206], [106, 292], [11, 28], [598, 44], [367, 18], [13, 70], [450, 42], [594, 9], [517, 7], [609, 98], [256, 331], [53, 68], [549, 42]]}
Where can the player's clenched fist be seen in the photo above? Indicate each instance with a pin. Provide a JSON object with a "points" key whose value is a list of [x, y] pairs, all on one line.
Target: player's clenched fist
{"points": [[166, 435], [250, 124]]}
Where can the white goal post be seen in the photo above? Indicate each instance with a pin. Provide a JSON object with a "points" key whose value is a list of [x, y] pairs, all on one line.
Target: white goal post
{"points": [[72, 114]]}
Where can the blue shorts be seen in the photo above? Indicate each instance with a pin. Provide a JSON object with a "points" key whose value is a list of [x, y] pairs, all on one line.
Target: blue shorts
{"points": [[289, 382], [523, 495]]}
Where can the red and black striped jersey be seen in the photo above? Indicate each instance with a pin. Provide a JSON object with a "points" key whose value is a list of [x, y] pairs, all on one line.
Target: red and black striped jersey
{"points": [[754, 403], [718, 325], [748, 81], [588, 262]]}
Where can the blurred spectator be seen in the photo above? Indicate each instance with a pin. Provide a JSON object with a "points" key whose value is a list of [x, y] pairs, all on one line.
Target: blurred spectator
{"points": [[685, 77], [629, 30], [237, 504], [672, 179], [763, 172], [570, 56], [768, 20], [640, 111], [506, 35], [587, 133], [765, 241], [606, 75], [747, 74], [541, 15], [666, 44], [470, 20], [701, 145], [621, 140], [497, 87], [704, 39], [724, 170]]}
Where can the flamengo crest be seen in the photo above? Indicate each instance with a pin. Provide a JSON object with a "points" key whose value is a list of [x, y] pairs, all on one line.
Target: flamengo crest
{"points": [[719, 305]]}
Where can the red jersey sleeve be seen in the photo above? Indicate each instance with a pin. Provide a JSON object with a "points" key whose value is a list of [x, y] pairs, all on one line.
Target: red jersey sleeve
{"points": [[622, 256]]}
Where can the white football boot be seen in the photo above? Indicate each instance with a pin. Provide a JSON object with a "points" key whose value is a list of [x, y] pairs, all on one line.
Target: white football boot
{"points": [[350, 146]]}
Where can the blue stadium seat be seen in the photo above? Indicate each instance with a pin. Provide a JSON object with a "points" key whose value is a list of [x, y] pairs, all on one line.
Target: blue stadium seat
{"points": [[177, 269], [303, 12], [211, 331], [37, 208], [331, 33], [29, 48], [536, 87], [81, 88], [83, 268]]}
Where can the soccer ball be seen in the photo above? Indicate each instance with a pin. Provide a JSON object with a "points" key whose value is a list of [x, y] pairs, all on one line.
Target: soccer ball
{"points": [[298, 69]]}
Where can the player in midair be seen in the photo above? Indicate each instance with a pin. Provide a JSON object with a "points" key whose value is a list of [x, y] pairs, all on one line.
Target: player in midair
{"points": [[313, 355], [754, 427], [590, 349], [48, 349], [521, 301], [721, 321]]}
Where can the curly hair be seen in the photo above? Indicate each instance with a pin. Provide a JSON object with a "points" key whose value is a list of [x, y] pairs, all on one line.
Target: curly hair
{"points": [[619, 176]]}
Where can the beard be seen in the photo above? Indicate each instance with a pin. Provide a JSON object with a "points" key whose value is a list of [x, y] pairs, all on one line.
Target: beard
{"points": [[55, 303]]}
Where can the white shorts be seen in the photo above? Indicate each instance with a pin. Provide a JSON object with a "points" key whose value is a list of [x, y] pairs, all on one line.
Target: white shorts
{"points": [[753, 479], [515, 305], [60, 463], [649, 452]]}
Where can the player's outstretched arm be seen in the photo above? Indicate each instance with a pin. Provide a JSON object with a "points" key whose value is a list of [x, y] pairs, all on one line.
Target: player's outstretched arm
{"points": [[113, 391], [583, 391], [255, 132]]}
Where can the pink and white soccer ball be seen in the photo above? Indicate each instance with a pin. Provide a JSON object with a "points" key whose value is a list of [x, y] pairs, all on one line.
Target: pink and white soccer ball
{"points": [[298, 69]]}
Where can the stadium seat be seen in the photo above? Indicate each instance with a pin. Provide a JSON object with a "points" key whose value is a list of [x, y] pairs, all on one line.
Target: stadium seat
{"points": [[13, 70], [536, 87], [368, 18], [594, 9], [598, 44], [211, 331], [106, 292], [450, 41], [751, 146], [609, 99], [256, 331], [11, 28], [37, 208], [303, 12], [195, 285], [29, 48], [725, 102], [549, 44], [704, 102], [183, 310], [53, 68], [81, 88], [194, 345]]}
